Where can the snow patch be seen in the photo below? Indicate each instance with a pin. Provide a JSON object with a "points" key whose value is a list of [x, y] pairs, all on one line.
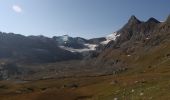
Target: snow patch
{"points": [[111, 37], [65, 38], [90, 47]]}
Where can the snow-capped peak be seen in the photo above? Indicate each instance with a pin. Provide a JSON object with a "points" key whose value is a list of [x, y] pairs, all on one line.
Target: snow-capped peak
{"points": [[111, 37]]}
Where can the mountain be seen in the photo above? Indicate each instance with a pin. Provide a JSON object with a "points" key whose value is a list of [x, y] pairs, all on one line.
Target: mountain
{"points": [[18, 51], [65, 40], [135, 39], [41, 49], [78, 44], [17, 47], [136, 30], [20, 48], [152, 20]]}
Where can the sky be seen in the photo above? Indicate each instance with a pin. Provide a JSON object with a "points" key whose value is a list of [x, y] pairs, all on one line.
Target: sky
{"points": [[77, 18]]}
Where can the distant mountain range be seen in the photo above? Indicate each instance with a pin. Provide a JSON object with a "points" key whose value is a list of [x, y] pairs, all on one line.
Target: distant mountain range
{"points": [[58, 48], [16, 47], [20, 48]]}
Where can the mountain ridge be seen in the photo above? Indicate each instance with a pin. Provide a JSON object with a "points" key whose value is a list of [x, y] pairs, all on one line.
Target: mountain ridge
{"points": [[104, 55]]}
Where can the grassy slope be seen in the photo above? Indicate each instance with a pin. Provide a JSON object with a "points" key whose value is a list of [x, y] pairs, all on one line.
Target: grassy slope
{"points": [[154, 86]]}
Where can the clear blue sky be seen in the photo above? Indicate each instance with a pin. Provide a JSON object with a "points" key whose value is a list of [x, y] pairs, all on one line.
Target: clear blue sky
{"points": [[85, 18]]}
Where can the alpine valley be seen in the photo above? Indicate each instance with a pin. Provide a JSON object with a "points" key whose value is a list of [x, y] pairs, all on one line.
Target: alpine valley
{"points": [[132, 63]]}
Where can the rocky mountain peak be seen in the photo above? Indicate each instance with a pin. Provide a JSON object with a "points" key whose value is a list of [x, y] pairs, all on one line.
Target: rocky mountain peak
{"points": [[133, 20], [152, 20], [136, 30]]}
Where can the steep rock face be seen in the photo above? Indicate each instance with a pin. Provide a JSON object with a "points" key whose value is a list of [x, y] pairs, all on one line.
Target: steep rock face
{"points": [[136, 30], [136, 37], [133, 21]]}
